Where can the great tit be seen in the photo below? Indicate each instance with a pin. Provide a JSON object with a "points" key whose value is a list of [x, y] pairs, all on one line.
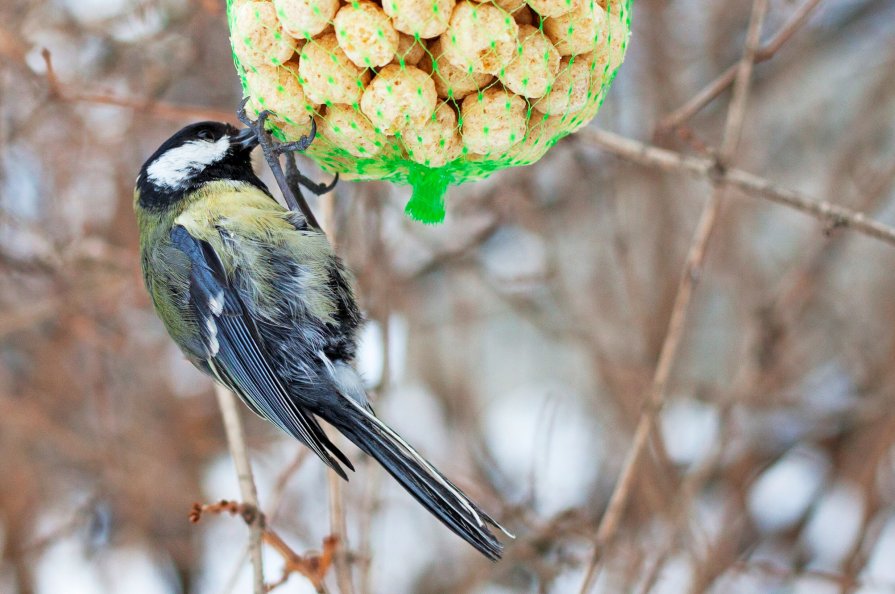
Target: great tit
{"points": [[256, 299]]}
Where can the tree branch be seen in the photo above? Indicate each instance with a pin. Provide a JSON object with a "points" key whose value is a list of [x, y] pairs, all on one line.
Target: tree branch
{"points": [[162, 109], [655, 399], [717, 86], [340, 557], [674, 162], [236, 443]]}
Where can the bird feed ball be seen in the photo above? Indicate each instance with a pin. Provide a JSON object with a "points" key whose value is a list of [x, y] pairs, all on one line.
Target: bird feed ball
{"points": [[350, 131], [278, 90], [303, 19], [327, 75], [365, 34], [493, 121], [399, 97], [533, 69], [480, 38], [421, 19], [436, 141], [427, 92], [410, 51], [260, 38], [574, 32], [452, 82]]}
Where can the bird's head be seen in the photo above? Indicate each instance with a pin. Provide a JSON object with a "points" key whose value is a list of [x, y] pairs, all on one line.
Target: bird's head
{"points": [[197, 154]]}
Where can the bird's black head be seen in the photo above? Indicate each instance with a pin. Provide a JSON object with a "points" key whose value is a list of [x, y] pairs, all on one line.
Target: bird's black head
{"points": [[196, 155]]}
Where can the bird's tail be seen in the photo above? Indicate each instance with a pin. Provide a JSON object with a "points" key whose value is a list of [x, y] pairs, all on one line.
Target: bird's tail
{"points": [[422, 480]]}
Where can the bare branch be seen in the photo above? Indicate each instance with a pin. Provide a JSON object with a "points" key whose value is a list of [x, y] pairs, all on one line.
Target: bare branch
{"points": [[717, 86], [161, 109], [236, 442], [312, 566], [655, 400], [671, 161]]}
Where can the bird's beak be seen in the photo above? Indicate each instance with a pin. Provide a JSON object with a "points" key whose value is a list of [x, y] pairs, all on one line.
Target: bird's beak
{"points": [[245, 139]]}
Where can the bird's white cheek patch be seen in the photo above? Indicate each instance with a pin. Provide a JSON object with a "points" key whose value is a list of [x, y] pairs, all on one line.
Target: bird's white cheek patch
{"points": [[175, 166]]}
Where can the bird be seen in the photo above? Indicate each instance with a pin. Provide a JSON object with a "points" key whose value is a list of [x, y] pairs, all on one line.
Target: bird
{"points": [[256, 298]]}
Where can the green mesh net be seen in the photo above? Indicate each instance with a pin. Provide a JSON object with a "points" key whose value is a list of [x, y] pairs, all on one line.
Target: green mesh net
{"points": [[427, 92]]}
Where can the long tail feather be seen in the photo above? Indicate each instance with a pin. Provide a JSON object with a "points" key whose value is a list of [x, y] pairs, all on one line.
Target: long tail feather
{"points": [[422, 480]]}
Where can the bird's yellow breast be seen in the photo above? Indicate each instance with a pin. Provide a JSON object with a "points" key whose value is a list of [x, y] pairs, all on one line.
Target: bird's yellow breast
{"points": [[250, 231]]}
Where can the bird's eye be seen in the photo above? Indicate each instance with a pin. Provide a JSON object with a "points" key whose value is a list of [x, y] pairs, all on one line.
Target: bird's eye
{"points": [[206, 135]]}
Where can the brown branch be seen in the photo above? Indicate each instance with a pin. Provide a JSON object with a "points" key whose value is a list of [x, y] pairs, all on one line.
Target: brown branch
{"points": [[246, 511], [277, 493], [847, 582], [236, 443], [339, 530], [655, 400], [162, 109], [674, 162], [313, 567], [717, 86]]}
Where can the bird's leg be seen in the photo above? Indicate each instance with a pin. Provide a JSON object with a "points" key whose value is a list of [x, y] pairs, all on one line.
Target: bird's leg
{"points": [[273, 161], [271, 145], [294, 179], [291, 181], [293, 175]]}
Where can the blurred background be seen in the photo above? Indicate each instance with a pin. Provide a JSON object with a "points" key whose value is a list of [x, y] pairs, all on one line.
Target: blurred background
{"points": [[514, 344]]}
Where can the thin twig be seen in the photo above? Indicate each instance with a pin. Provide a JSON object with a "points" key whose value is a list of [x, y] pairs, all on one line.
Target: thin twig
{"points": [[370, 504], [276, 498], [236, 571], [278, 492], [754, 185], [655, 400], [717, 86], [341, 562], [237, 445], [162, 109], [313, 567]]}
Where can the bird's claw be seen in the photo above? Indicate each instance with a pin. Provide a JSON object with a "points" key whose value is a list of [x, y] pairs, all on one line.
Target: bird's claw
{"points": [[290, 180], [300, 145], [323, 188], [295, 178], [267, 140], [242, 115]]}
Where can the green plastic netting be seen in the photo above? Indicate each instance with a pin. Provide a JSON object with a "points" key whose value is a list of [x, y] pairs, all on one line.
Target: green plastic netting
{"points": [[427, 92]]}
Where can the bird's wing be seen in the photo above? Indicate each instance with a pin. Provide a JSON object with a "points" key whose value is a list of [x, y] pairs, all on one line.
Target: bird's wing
{"points": [[236, 354]]}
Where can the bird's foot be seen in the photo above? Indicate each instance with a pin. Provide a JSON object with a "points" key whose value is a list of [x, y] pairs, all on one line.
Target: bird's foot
{"points": [[300, 145], [267, 140], [274, 148], [295, 177]]}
